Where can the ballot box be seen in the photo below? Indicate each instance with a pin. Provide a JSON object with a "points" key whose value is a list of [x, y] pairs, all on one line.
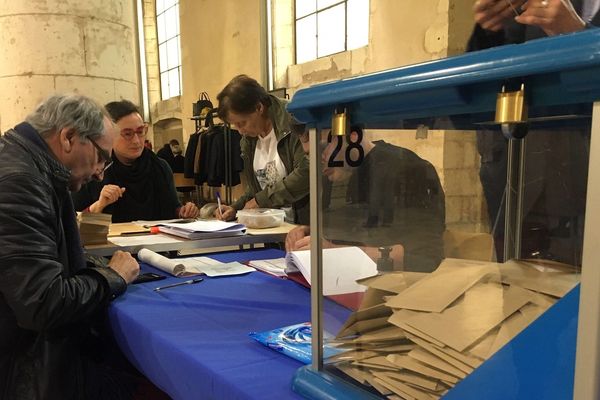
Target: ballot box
{"points": [[454, 210]]}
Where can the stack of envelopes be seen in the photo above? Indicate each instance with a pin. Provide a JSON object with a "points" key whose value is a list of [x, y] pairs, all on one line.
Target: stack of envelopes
{"points": [[417, 335], [93, 227]]}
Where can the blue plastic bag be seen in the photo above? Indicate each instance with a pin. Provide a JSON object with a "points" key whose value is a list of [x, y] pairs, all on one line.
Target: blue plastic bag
{"points": [[293, 341]]}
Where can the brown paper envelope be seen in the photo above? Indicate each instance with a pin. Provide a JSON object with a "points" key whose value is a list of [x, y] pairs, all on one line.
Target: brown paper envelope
{"points": [[481, 348], [524, 274], [443, 286], [364, 326], [390, 333], [482, 308], [408, 377], [376, 311], [376, 362], [514, 325], [417, 366], [353, 355], [427, 358], [399, 319], [465, 367], [358, 374], [394, 282], [402, 389], [381, 389]]}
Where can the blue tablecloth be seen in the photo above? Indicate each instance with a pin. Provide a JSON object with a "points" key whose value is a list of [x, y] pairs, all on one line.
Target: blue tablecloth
{"points": [[192, 341]]}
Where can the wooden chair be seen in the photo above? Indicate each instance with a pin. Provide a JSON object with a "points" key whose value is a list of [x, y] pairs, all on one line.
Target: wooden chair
{"points": [[186, 185]]}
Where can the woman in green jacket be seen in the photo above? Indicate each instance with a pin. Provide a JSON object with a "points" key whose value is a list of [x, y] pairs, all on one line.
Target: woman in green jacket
{"points": [[275, 165]]}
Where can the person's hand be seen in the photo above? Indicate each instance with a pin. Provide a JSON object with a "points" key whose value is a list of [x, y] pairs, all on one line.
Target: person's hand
{"points": [[492, 15], [108, 195], [251, 204], [304, 244], [554, 17], [294, 236], [124, 265], [189, 210], [227, 213]]}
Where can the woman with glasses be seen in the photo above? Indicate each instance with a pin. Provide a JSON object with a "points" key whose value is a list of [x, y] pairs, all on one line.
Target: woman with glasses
{"points": [[138, 185]]}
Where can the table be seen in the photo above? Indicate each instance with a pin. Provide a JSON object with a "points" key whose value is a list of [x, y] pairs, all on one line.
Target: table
{"points": [[192, 341], [252, 237]]}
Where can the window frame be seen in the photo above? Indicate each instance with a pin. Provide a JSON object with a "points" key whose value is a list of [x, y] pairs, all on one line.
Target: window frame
{"points": [[164, 61]]}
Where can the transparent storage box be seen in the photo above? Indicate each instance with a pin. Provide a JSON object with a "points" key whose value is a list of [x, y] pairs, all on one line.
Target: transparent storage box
{"points": [[260, 218]]}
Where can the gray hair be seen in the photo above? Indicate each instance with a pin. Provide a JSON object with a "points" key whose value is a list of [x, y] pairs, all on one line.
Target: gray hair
{"points": [[74, 111]]}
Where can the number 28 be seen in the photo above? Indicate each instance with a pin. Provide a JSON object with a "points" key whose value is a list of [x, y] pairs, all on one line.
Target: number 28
{"points": [[332, 162]]}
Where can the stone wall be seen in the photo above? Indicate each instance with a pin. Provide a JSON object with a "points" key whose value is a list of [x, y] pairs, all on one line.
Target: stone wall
{"points": [[62, 46]]}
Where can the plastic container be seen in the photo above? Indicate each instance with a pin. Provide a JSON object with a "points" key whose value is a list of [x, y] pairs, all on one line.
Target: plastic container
{"points": [[259, 218]]}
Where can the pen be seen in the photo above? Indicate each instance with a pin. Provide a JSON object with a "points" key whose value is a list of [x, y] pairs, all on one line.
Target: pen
{"points": [[190, 282], [219, 205]]}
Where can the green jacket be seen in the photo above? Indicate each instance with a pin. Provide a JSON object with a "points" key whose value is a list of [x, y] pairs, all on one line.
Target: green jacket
{"points": [[294, 188]]}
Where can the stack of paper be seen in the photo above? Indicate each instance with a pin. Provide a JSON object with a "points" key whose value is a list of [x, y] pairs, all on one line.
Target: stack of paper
{"points": [[203, 229], [93, 227], [189, 266], [418, 336]]}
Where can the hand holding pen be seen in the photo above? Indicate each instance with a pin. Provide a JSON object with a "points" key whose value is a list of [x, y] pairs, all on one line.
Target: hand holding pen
{"points": [[224, 212]]}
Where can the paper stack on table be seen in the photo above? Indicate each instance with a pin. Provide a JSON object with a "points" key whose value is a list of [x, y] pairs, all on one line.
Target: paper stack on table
{"points": [[93, 227], [418, 335], [203, 229], [189, 266]]}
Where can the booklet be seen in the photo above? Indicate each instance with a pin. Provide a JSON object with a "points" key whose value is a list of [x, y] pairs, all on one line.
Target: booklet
{"points": [[203, 229], [192, 265], [342, 267]]}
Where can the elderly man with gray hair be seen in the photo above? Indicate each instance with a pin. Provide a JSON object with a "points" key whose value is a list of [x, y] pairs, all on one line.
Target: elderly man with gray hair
{"points": [[51, 298]]}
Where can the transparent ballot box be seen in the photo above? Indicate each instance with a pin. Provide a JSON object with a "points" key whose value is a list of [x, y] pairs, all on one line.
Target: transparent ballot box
{"points": [[452, 209]]}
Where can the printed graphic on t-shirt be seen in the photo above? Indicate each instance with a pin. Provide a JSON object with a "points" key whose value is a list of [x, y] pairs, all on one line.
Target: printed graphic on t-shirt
{"points": [[267, 176]]}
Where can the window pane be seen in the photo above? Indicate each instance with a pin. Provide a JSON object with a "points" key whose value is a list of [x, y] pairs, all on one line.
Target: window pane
{"points": [[164, 85], [160, 6], [177, 19], [172, 53], [171, 22], [174, 82], [306, 39], [169, 3], [321, 4], [162, 57], [332, 36], [161, 29], [358, 24], [305, 7]]}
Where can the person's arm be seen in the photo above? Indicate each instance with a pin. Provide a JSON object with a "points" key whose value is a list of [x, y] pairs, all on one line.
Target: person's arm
{"points": [[291, 188], [108, 195], [43, 293]]}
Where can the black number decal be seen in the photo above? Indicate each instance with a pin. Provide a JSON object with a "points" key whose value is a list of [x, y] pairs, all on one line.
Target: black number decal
{"points": [[355, 145], [332, 163]]}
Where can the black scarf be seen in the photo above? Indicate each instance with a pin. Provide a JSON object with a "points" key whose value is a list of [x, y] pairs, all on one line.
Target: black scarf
{"points": [[147, 190]]}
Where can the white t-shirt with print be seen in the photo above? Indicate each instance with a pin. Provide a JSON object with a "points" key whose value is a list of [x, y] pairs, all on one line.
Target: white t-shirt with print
{"points": [[268, 167]]}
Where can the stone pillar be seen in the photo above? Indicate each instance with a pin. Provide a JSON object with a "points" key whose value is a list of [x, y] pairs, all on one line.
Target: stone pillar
{"points": [[56, 46]]}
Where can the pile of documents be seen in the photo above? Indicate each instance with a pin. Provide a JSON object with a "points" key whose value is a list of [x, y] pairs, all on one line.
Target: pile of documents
{"points": [[417, 335], [93, 227]]}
